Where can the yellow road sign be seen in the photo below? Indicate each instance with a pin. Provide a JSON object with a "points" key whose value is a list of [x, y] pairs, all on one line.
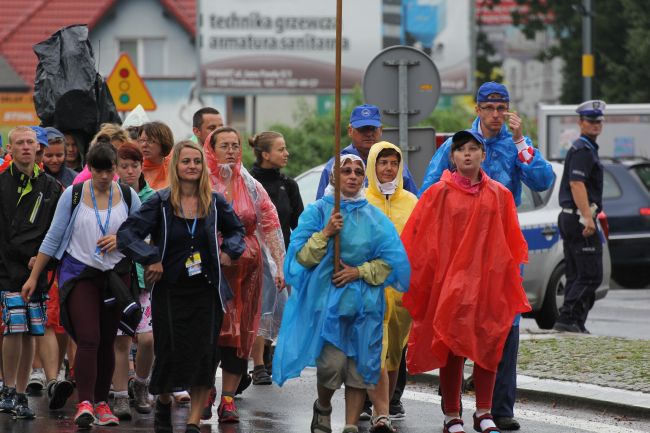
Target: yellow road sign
{"points": [[127, 88]]}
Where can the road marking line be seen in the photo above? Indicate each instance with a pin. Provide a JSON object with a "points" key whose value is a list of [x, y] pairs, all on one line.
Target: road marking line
{"points": [[532, 415]]}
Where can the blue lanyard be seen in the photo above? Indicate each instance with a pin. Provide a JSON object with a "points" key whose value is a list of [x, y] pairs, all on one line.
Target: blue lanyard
{"points": [[103, 228], [193, 229]]}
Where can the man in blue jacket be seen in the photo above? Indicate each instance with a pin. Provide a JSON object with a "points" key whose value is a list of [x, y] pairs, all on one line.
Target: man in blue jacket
{"points": [[510, 159], [364, 130]]}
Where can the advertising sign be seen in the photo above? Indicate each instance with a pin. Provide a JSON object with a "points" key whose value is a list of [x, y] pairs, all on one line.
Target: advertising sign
{"points": [[442, 29], [285, 46]]}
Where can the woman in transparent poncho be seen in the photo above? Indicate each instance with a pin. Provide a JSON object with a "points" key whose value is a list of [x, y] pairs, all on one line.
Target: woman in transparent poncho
{"points": [[246, 315]]}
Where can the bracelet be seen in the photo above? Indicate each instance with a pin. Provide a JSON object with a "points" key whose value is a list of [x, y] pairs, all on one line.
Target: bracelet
{"points": [[521, 140]]}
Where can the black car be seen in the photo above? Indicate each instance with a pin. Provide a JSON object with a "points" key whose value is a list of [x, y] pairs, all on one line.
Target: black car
{"points": [[626, 201]]}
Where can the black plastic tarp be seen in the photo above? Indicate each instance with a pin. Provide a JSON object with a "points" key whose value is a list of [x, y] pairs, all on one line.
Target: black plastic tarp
{"points": [[69, 93]]}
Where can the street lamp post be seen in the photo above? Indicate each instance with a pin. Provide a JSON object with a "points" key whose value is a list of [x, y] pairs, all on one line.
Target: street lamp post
{"points": [[587, 55]]}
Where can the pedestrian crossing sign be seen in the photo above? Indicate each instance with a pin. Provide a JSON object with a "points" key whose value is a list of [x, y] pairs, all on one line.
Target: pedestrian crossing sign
{"points": [[127, 87]]}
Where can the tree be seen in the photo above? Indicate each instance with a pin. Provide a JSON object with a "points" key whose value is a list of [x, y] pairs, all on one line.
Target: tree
{"points": [[621, 45], [311, 140]]}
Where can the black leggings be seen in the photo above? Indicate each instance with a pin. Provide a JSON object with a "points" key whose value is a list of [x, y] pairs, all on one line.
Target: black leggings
{"points": [[230, 362], [94, 325]]}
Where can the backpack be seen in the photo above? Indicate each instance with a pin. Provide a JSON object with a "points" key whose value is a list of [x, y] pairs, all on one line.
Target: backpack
{"points": [[77, 191]]}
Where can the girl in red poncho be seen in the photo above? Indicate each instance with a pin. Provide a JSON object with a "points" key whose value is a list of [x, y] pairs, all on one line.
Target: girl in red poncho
{"points": [[466, 248], [257, 213]]}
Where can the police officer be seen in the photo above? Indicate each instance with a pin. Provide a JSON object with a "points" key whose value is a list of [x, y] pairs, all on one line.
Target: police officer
{"points": [[581, 192]]}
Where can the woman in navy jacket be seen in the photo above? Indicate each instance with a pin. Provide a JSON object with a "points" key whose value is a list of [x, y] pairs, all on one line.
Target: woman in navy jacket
{"points": [[193, 231]]}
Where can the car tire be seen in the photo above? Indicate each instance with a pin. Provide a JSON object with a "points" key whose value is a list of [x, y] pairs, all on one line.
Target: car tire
{"points": [[553, 298]]}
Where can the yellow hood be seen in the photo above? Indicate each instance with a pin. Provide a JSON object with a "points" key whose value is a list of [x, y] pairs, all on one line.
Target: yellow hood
{"points": [[371, 173], [397, 206]]}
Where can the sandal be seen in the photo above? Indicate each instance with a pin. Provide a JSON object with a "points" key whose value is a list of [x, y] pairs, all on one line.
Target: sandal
{"points": [[453, 422], [321, 420], [478, 420], [261, 376], [381, 424]]}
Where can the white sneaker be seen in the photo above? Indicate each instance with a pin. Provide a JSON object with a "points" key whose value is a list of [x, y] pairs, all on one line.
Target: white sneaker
{"points": [[37, 381], [61, 375]]}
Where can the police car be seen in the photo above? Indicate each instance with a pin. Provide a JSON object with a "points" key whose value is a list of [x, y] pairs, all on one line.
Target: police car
{"points": [[544, 275]]}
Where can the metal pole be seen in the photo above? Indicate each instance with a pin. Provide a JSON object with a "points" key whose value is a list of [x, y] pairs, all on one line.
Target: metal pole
{"points": [[198, 42], [402, 83], [587, 56], [337, 131]]}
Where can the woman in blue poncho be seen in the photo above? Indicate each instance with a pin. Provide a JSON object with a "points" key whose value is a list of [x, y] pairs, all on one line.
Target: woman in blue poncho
{"points": [[334, 320]]}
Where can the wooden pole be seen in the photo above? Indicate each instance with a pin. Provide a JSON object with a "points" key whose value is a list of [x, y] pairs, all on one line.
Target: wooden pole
{"points": [[337, 131]]}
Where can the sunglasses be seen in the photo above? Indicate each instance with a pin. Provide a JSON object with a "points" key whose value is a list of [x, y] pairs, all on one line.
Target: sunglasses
{"points": [[349, 170], [365, 129]]}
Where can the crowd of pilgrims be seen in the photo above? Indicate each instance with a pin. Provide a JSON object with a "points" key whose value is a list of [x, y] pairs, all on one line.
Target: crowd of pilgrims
{"points": [[142, 265]]}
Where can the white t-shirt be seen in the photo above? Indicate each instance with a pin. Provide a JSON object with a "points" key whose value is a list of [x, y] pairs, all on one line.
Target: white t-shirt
{"points": [[86, 232]]}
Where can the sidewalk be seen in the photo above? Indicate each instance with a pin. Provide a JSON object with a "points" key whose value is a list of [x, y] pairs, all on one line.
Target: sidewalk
{"points": [[575, 368]]}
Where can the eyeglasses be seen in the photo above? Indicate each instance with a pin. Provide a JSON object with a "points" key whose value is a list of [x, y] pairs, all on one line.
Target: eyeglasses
{"points": [[501, 109], [225, 146], [349, 170]]}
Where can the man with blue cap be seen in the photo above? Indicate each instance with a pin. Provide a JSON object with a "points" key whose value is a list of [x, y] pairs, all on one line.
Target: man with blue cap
{"points": [[510, 159], [581, 199], [41, 138], [364, 130]]}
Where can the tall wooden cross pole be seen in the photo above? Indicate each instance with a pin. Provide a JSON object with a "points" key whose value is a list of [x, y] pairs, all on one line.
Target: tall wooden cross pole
{"points": [[337, 132]]}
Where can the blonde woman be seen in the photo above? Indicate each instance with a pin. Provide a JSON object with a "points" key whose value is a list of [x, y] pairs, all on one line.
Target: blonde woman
{"points": [[193, 231]]}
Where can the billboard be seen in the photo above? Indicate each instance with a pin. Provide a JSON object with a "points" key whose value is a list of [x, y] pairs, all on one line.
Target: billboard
{"points": [[443, 29], [285, 46]]}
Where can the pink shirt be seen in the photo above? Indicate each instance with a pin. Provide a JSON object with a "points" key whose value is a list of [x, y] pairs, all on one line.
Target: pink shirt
{"points": [[85, 174]]}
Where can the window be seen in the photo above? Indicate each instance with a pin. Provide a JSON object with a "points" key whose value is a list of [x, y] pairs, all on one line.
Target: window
{"points": [[611, 189], [147, 54], [527, 200], [643, 172]]}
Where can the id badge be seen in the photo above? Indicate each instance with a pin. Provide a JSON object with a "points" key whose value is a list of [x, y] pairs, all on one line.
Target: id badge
{"points": [[99, 254], [193, 264]]}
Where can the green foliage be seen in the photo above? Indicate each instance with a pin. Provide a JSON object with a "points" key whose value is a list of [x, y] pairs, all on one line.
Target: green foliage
{"points": [[311, 141], [450, 120], [621, 45]]}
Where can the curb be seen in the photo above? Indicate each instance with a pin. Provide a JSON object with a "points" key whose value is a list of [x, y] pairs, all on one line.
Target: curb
{"points": [[629, 403]]}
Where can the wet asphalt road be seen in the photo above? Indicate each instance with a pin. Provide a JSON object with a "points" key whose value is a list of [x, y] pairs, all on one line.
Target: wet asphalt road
{"points": [[288, 409]]}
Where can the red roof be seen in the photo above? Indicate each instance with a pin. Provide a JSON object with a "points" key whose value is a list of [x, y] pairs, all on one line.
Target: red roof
{"points": [[25, 23]]}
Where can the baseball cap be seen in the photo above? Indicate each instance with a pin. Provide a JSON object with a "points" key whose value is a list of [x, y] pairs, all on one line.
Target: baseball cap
{"points": [[365, 115], [468, 134], [41, 135], [593, 109], [491, 88], [53, 133]]}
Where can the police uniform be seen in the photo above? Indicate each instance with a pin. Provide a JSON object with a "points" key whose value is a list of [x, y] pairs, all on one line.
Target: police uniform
{"points": [[583, 255]]}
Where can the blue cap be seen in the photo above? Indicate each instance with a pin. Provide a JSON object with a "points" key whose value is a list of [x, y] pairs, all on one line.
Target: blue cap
{"points": [[593, 109], [41, 135], [365, 115], [492, 88], [54, 134], [471, 134]]}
